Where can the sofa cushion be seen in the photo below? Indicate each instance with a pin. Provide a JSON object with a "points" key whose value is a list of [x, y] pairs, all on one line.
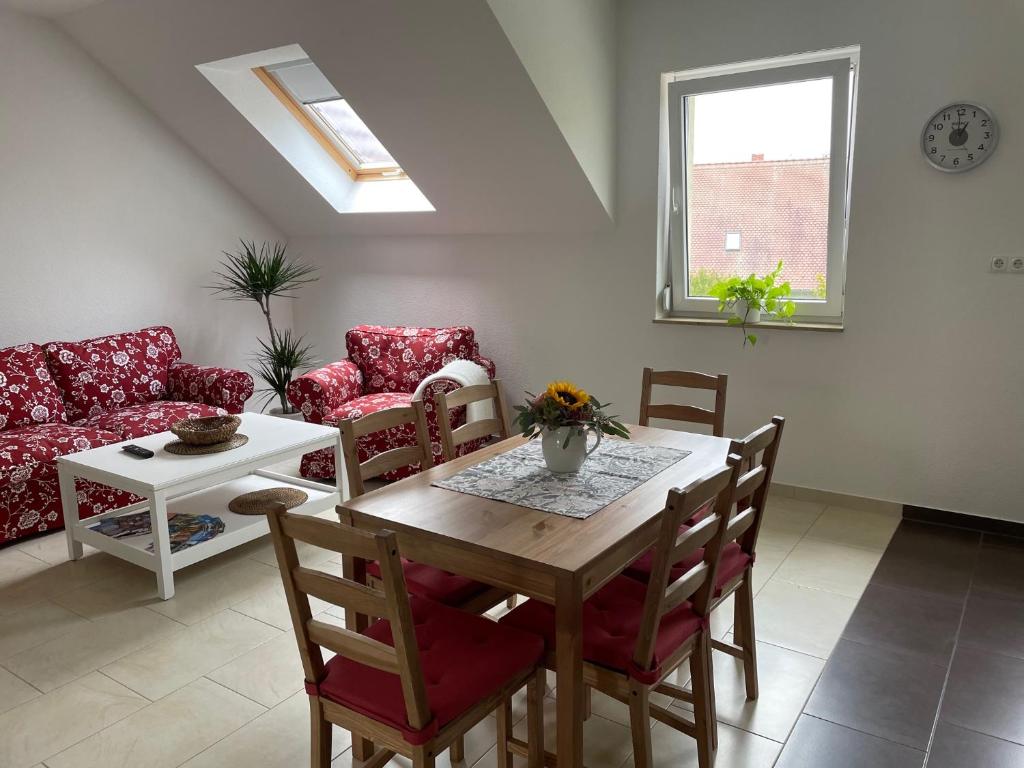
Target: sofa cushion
{"points": [[464, 658], [149, 418], [28, 453], [28, 394], [111, 372], [398, 359]]}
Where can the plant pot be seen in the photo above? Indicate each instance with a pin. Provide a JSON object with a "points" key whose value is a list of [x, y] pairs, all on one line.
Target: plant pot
{"points": [[570, 458], [293, 416], [747, 315]]}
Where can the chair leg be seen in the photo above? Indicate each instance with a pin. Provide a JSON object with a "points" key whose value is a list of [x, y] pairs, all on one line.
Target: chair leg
{"points": [[535, 718], [320, 735], [640, 726], [457, 751], [747, 640], [511, 602], [504, 715], [422, 758], [703, 714]]}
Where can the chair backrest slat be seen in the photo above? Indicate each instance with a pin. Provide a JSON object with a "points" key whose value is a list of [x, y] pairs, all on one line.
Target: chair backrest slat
{"points": [[686, 413], [344, 540], [692, 539], [391, 602], [353, 645], [696, 583], [331, 589], [446, 402], [419, 454], [753, 485], [682, 589]]}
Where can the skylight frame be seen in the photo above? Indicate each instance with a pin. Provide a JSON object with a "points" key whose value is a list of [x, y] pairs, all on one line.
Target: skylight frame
{"points": [[329, 139]]}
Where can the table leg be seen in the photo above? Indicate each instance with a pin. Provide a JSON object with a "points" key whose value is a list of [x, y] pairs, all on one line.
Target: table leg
{"points": [[340, 475], [569, 671], [69, 501], [161, 544]]}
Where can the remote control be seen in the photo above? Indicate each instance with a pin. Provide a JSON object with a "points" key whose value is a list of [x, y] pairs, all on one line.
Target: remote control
{"points": [[138, 451]]}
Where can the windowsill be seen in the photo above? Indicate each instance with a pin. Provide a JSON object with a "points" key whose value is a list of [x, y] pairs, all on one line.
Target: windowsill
{"points": [[796, 325]]}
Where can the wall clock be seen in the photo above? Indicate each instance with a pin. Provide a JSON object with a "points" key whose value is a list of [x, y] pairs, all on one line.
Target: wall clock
{"points": [[959, 137]]}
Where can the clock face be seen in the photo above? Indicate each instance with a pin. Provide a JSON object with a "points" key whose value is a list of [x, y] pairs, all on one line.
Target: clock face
{"points": [[959, 137]]}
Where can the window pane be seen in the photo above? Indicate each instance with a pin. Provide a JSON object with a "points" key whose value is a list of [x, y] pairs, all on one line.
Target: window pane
{"points": [[353, 131], [757, 184]]}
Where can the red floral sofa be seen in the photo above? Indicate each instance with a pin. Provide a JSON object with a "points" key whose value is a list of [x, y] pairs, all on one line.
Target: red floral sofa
{"points": [[385, 365], [66, 397]]}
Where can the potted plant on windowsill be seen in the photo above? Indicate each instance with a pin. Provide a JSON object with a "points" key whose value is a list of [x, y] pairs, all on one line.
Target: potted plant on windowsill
{"points": [[259, 274], [751, 297]]}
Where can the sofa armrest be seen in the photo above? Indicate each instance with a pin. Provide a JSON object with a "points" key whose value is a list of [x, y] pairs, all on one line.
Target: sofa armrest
{"points": [[486, 363], [223, 387], [321, 392]]}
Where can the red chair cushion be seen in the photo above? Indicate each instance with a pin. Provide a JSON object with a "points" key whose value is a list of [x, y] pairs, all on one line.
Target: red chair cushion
{"points": [[110, 372], [149, 418], [29, 453], [733, 562], [433, 583], [398, 359], [465, 659], [28, 394], [611, 623]]}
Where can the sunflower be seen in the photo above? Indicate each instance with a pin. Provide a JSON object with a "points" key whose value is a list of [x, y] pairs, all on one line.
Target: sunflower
{"points": [[567, 395]]}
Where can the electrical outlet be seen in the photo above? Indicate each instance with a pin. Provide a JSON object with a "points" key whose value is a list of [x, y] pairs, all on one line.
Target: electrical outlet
{"points": [[1016, 265], [998, 264]]}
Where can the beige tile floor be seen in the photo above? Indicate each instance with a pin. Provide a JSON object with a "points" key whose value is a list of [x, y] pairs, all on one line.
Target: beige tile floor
{"points": [[96, 671]]}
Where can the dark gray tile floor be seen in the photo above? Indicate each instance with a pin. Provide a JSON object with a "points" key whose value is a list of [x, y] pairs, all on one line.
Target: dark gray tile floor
{"points": [[930, 668]]}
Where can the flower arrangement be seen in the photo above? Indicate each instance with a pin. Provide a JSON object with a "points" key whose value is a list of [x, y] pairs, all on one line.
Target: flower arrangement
{"points": [[750, 296], [563, 404]]}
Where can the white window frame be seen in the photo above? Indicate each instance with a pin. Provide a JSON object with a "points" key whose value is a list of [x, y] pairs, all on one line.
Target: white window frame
{"points": [[842, 66]]}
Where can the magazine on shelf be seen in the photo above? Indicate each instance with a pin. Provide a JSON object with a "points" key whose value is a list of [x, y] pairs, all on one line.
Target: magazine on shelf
{"points": [[184, 530]]}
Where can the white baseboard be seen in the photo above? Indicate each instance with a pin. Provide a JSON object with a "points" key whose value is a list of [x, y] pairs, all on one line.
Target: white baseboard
{"points": [[833, 498]]}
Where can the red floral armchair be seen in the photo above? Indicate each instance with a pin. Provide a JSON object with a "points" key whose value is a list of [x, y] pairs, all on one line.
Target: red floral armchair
{"points": [[66, 397], [385, 365]]}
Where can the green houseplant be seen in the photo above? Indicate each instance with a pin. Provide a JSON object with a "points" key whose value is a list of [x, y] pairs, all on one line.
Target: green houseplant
{"points": [[259, 274], [750, 297]]}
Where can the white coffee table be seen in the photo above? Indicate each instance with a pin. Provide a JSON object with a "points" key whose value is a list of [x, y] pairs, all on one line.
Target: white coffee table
{"points": [[197, 485]]}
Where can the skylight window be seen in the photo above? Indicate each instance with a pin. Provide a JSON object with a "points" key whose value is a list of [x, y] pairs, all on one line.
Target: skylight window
{"points": [[330, 119]]}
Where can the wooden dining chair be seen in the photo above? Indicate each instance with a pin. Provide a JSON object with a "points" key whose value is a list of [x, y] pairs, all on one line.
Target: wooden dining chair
{"points": [[423, 580], [496, 426], [758, 453], [687, 413], [636, 635], [413, 682]]}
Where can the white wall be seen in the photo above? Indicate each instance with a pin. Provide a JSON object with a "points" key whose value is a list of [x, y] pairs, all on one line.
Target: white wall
{"points": [[568, 49], [107, 221], [918, 401]]}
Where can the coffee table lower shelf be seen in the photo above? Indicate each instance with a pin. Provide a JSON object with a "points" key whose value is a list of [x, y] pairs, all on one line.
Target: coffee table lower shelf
{"points": [[238, 529]]}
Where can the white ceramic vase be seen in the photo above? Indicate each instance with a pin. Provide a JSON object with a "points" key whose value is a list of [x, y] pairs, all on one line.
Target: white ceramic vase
{"points": [[745, 314], [571, 457]]}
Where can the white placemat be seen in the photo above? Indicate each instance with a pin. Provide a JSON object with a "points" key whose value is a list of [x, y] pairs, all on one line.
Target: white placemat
{"points": [[520, 477]]}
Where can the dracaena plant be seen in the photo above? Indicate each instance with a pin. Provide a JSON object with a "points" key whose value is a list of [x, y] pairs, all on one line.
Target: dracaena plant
{"points": [[764, 294], [259, 274]]}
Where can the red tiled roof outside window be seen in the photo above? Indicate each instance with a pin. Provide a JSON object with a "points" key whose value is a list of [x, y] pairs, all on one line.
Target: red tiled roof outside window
{"points": [[778, 207]]}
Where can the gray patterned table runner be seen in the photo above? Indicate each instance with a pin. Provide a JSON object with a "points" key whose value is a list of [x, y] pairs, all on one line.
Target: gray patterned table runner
{"points": [[520, 477]]}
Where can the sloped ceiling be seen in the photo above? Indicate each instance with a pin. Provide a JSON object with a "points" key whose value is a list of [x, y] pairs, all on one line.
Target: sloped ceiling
{"points": [[438, 82]]}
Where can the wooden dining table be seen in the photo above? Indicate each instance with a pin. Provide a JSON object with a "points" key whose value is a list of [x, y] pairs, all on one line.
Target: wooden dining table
{"points": [[556, 559]]}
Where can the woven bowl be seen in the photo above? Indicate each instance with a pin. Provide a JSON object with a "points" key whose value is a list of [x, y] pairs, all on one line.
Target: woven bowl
{"points": [[207, 430]]}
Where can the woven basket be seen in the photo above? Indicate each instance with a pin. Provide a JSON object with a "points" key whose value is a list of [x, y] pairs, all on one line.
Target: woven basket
{"points": [[260, 502], [206, 431]]}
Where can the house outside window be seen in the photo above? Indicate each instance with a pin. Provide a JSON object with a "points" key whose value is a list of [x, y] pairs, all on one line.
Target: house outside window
{"points": [[763, 149]]}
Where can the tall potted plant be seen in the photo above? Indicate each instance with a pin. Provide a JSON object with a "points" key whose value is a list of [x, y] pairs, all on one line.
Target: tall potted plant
{"points": [[259, 274]]}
